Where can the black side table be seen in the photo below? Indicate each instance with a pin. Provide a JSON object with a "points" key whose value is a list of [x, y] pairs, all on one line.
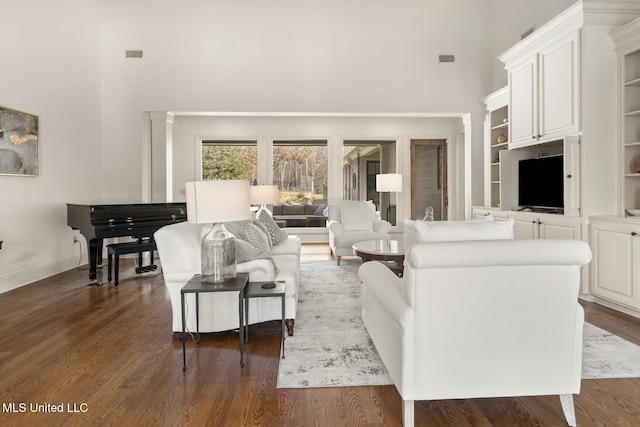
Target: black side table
{"points": [[255, 290], [197, 286]]}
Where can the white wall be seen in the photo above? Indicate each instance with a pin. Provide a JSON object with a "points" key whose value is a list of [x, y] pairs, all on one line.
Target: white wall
{"points": [[287, 55], [51, 68]]}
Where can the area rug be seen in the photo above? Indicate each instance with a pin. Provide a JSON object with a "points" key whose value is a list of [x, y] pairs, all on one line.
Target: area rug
{"points": [[331, 347]]}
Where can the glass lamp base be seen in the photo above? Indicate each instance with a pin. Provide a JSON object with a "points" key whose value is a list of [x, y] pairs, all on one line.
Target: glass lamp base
{"points": [[218, 255]]}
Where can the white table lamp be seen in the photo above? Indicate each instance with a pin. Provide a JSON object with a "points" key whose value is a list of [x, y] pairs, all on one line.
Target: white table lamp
{"points": [[217, 202], [263, 195], [387, 183]]}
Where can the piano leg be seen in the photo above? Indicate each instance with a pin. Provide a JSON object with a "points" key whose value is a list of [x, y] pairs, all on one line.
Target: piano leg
{"points": [[95, 255]]}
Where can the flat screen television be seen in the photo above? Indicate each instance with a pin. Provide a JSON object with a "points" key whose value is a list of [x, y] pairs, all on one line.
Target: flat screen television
{"points": [[541, 183]]}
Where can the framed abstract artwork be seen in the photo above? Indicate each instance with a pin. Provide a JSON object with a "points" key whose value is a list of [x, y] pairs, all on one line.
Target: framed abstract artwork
{"points": [[18, 143]]}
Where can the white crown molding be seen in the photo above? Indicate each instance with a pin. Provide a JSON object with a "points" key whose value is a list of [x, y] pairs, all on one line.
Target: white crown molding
{"points": [[593, 12], [610, 12], [563, 24], [627, 37], [497, 99]]}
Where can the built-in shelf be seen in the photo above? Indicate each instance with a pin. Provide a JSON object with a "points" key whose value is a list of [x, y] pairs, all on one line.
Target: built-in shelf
{"points": [[632, 144], [632, 113], [495, 164], [632, 175], [501, 126], [500, 144], [495, 182]]}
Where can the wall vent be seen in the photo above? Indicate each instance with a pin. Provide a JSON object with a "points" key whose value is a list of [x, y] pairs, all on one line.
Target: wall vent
{"points": [[447, 58], [527, 33], [134, 54]]}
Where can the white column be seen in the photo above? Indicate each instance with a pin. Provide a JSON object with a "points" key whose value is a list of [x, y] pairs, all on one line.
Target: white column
{"points": [[160, 157]]}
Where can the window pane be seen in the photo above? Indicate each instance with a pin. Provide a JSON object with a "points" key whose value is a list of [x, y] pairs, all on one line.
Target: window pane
{"points": [[300, 172], [229, 160]]}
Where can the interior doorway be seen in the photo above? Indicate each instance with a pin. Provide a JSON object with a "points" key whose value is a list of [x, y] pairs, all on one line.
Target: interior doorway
{"points": [[429, 178]]}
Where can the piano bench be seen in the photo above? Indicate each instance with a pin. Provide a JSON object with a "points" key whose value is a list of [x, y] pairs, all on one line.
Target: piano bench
{"points": [[117, 249]]}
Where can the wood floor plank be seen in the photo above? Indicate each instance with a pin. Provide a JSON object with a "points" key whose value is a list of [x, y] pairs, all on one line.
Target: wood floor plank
{"points": [[112, 348]]}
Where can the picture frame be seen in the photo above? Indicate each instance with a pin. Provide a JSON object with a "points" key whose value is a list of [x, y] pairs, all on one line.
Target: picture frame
{"points": [[18, 143]]}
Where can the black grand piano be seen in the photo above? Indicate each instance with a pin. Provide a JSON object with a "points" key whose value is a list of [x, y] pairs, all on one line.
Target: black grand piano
{"points": [[138, 220]]}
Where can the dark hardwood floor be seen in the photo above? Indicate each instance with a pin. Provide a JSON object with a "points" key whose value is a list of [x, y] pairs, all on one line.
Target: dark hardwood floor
{"points": [[106, 354]]}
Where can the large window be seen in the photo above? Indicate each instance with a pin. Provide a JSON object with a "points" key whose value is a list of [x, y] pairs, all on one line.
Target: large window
{"points": [[229, 160], [300, 171]]}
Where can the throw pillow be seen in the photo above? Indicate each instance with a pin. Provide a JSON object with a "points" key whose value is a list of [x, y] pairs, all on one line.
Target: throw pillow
{"points": [[247, 252], [253, 235], [409, 228], [450, 231], [357, 216], [270, 226]]}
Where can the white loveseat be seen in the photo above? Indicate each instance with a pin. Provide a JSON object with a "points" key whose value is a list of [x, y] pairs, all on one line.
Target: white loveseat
{"points": [[352, 221], [179, 251], [473, 319]]}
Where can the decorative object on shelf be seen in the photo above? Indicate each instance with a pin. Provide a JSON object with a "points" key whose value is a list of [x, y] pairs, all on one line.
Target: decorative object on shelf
{"points": [[263, 195], [217, 202], [633, 212], [502, 139], [636, 164], [18, 143], [505, 121], [428, 214]]}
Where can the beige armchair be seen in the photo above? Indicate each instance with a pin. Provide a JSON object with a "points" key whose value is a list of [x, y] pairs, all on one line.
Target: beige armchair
{"points": [[352, 221]]}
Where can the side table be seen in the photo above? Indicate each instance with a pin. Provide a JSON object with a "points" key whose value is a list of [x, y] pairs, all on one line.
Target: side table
{"points": [[255, 290], [197, 286]]}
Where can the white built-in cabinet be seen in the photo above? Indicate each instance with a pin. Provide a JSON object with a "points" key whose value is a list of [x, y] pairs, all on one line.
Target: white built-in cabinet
{"points": [[572, 90], [615, 267], [615, 239], [530, 225], [505, 191], [496, 133], [533, 225], [544, 77], [627, 47]]}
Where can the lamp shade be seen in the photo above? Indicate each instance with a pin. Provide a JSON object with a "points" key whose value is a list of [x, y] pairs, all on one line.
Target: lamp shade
{"points": [[263, 194], [388, 182], [217, 201]]}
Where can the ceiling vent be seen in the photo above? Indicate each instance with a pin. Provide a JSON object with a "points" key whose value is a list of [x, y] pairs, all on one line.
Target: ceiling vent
{"points": [[134, 54], [447, 58]]}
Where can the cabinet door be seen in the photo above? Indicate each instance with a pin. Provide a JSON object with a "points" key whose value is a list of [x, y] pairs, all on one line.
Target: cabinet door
{"points": [[614, 268], [558, 80], [524, 227], [523, 99], [559, 228]]}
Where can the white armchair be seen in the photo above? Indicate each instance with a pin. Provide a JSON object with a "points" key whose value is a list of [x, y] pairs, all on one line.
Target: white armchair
{"points": [[352, 221], [473, 319]]}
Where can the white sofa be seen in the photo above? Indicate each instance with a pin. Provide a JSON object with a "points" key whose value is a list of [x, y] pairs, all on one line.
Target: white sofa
{"points": [[179, 252], [352, 221], [473, 319]]}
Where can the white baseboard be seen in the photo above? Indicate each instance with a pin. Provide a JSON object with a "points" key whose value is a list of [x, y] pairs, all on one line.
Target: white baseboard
{"points": [[26, 277]]}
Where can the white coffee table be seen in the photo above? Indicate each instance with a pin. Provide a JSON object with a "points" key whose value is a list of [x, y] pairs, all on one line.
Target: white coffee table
{"points": [[390, 252]]}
